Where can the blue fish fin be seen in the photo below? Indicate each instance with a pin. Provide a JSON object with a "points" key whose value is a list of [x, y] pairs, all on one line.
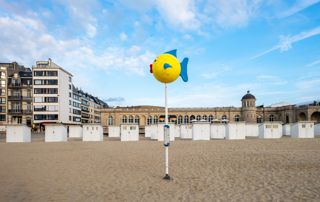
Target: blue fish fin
{"points": [[172, 52], [184, 73]]}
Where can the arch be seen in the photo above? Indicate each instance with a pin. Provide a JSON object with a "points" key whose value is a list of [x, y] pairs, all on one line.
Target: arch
{"points": [[224, 117], [180, 119], [210, 118], [137, 119], [237, 118], [124, 119], [205, 117], [192, 118], [130, 119], [186, 119], [271, 117], [143, 120], [110, 120], [287, 118], [155, 119], [149, 120], [302, 116], [315, 116], [198, 118], [259, 119]]}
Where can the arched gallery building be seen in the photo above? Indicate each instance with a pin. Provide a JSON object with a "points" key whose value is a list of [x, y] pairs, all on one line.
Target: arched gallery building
{"points": [[248, 112]]}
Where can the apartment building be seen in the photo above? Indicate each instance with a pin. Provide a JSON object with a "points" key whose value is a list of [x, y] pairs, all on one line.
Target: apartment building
{"points": [[84, 97], [3, 92], [19, 95], [53, 94], [76, 105]]}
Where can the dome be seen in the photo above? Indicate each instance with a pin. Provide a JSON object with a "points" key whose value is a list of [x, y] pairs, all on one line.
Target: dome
{"points": [[248, 96]]}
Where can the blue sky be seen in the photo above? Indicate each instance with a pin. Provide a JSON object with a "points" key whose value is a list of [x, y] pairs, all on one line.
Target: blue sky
{"points": [[270, 47]]}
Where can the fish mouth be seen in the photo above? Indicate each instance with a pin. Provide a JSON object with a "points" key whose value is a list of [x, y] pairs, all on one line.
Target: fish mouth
{"points": [[151, 69]]}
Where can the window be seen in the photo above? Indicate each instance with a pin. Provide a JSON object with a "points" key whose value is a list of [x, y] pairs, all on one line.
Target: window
{"points": [[237, 118], [70, 94], [46, 117], [186, 119], [180, 119], [2, 117], [149, 120], [2, 100], [124, 119], [3, 75], [3, 83], [69, 87], [155, 119], [259, 119], [52, 73], [136, 119], [110, 121], [192, 118], [198, 118], [130, 119], [271, 117], [46, 91], [45, 82], [204, 117], [70, 79], [210, 119], [224, 117], [45, 73], [2, 91]]}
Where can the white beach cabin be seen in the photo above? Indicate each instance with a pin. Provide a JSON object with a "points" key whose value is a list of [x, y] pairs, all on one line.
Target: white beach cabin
{"points": [[18, 133], [302, 129], [154, 132], [147, 131], [177, 130], [317, 129], [270, 130], [56, 133], [217, 131], [129, 132], [160, 132], [186, 131], [114, 131], [75, 131], [236, 131], [92, 132], [286, 128], [252, 130], [201, 130]]}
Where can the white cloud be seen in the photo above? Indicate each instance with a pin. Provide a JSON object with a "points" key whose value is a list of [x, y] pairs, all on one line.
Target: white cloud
{"points": [[296, 8], [286, 42], [182, 14], [316, 62], [217, 71], [123, 36], [270, 79], [37, 44]]}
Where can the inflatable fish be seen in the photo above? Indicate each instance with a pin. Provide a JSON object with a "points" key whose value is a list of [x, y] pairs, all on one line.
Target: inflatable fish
{"points": [[166, 68]]}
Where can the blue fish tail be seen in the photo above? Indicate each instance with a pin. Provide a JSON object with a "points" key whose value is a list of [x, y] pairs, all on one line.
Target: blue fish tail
{"points": [[184, 74]]}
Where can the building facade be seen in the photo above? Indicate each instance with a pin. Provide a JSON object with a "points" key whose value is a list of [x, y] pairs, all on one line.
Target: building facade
{"points": [[248, 112], [53, 95]]}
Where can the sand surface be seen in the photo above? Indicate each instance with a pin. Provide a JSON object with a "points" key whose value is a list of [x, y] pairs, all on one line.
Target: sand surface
{"points": [[243, 170]]}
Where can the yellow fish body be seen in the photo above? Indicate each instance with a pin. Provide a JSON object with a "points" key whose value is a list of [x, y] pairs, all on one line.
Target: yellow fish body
{"points": [[166, 68]]}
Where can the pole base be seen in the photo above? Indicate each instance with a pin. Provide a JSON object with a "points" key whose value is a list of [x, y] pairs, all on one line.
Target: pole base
{"points": [[167, 177]]}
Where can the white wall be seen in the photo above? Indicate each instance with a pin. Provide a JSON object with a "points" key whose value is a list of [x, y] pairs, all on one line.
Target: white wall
{"points": [[286, 129], [217, 131], [92, 132], [129, 132], [63, 83], [177, 131], [18, 133], [317, 129], [75, 131], [186, 131], [160, 132], [236, 131], [114, 131], [56, 133], [201, 131], [270, 130], [302, 130], [252, 130]]}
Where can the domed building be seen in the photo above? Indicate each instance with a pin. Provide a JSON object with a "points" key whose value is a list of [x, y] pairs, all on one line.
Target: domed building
{"points": [[248, 112]]}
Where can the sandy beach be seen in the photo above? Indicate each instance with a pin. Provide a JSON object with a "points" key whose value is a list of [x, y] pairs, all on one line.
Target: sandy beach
{"points": [[244, 170]]}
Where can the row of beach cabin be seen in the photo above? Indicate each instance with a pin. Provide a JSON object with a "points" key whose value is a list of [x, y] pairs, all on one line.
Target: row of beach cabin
{"points": [[195, 131]]}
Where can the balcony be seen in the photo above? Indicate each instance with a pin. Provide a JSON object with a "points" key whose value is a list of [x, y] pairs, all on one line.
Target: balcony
{"points": [[19, 98], [19, 111], [19, 85]]}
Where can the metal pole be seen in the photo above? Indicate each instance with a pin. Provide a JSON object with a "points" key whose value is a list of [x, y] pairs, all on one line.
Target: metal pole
{"points": [[167, 176]]}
